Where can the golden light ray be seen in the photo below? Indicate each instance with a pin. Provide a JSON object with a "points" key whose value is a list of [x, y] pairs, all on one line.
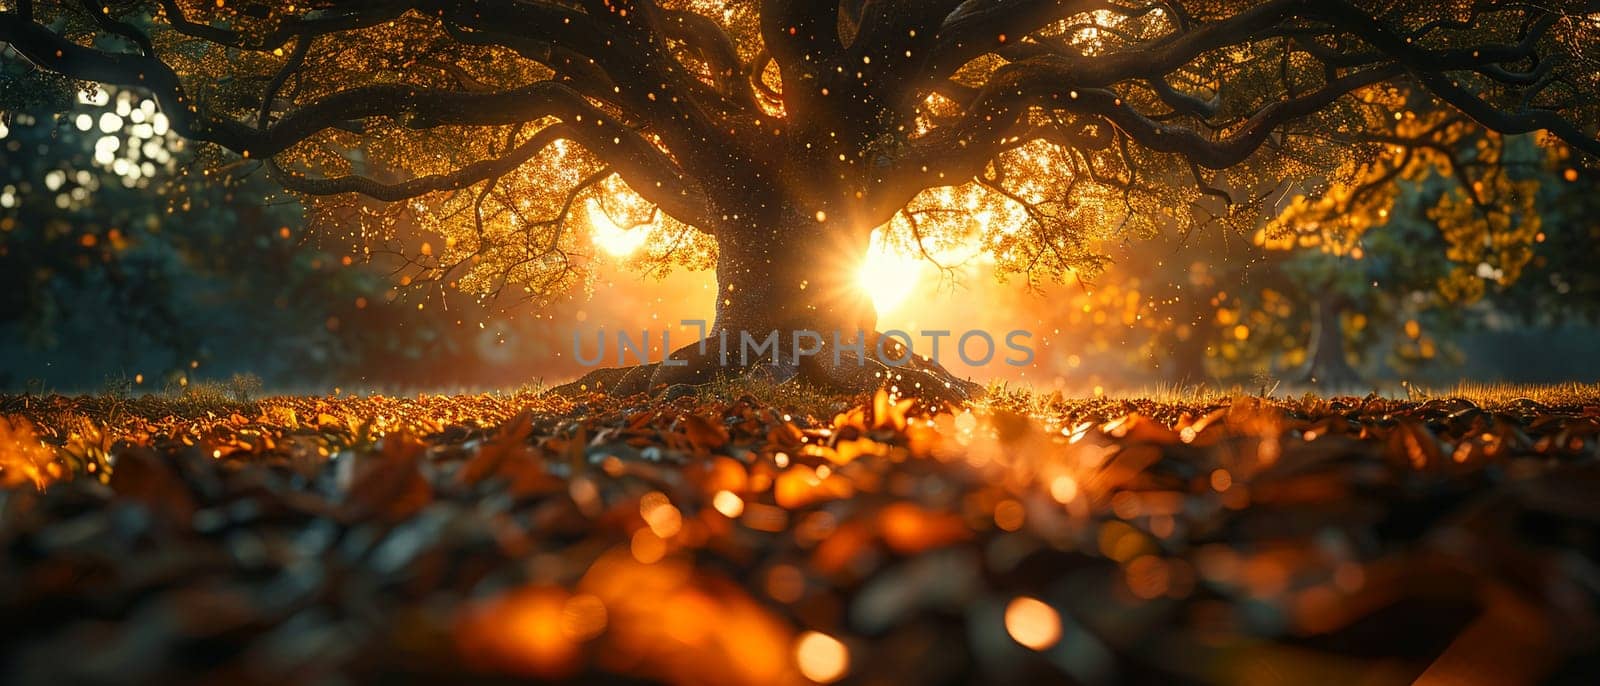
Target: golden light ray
{"points": [[615, 240], [888, 276]]}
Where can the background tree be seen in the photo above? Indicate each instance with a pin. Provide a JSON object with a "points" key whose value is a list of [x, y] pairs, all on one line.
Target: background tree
{"points": [[103, 254], [779, 133], [1452, 224], [118, 253], [1561, 283], [1497, 234]]}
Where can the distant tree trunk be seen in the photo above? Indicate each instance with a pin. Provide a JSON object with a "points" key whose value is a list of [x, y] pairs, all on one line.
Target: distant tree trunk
{"points": [[1188, 364], [1326, 365]]}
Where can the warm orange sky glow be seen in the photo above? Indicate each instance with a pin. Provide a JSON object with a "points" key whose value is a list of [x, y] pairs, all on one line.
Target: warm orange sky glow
{"points": [[615, 240], [889, 275]]}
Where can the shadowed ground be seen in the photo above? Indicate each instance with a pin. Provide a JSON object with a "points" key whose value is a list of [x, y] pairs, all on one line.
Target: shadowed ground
{"points": [[768, 535]]}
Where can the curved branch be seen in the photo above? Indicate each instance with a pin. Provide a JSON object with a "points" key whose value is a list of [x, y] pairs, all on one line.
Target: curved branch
{"points": [[802, 36], [716, 48], [464, 177], [629, 48], [1233, 149], [1431, 68], [1183, 102], [296, 60], [102, 18], [648, 172], [357, 15]]}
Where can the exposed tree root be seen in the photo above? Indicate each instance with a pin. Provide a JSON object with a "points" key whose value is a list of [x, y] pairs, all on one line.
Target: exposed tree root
{"points": [[842, 371]]}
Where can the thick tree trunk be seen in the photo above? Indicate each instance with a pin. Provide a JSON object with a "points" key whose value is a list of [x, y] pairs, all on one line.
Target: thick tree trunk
{"points": [[1326, 365], [785, 275], [792, 275]]}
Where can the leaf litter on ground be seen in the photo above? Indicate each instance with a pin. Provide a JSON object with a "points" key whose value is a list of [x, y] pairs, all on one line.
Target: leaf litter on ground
{"points": [[725, 540]]}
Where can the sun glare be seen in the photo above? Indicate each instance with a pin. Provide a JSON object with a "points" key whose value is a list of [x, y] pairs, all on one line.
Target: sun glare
{"points": [[888, 275], [615, 240]]}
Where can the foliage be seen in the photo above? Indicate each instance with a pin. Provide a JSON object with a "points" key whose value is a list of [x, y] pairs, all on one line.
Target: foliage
{"points": [[794, 398], [1454, 231], [105, 226], [118, 248], [479, 140]]}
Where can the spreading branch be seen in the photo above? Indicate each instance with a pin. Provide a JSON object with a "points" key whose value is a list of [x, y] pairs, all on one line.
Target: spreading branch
{"points": [[676, 101]]}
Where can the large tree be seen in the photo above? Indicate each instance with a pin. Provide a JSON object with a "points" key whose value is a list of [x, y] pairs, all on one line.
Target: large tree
{"points": [[777, 134]]}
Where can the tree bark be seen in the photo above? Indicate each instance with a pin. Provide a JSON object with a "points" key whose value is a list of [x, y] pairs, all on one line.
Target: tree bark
{"points": [[785, 274], [1326, 365], [1188, 364], [792, 273]]}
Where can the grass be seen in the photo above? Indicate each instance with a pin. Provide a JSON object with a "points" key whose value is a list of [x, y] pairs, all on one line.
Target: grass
{"points": [[1488, 396], [795, 398], [241, 397], [1498, 395], [82, 431]]}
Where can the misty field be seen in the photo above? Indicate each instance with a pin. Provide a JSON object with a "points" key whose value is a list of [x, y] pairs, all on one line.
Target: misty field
{"points": [[761, 536]]}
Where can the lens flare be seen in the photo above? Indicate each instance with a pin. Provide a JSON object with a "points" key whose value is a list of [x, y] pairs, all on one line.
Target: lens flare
{"points": [[615, 240], [887, 275]]}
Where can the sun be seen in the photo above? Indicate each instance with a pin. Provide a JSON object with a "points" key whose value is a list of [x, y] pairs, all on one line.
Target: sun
{"points": [[887, 275], [615, 240]]}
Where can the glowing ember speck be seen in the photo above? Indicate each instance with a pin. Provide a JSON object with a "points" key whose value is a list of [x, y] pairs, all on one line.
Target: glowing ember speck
{"points": [[730, 505], [1064, 488], [822, 658], [1033, 623], [1221, 480], [647, 547]]}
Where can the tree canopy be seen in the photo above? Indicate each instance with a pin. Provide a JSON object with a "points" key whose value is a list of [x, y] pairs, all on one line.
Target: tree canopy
{"points": [[1027, 127]]}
